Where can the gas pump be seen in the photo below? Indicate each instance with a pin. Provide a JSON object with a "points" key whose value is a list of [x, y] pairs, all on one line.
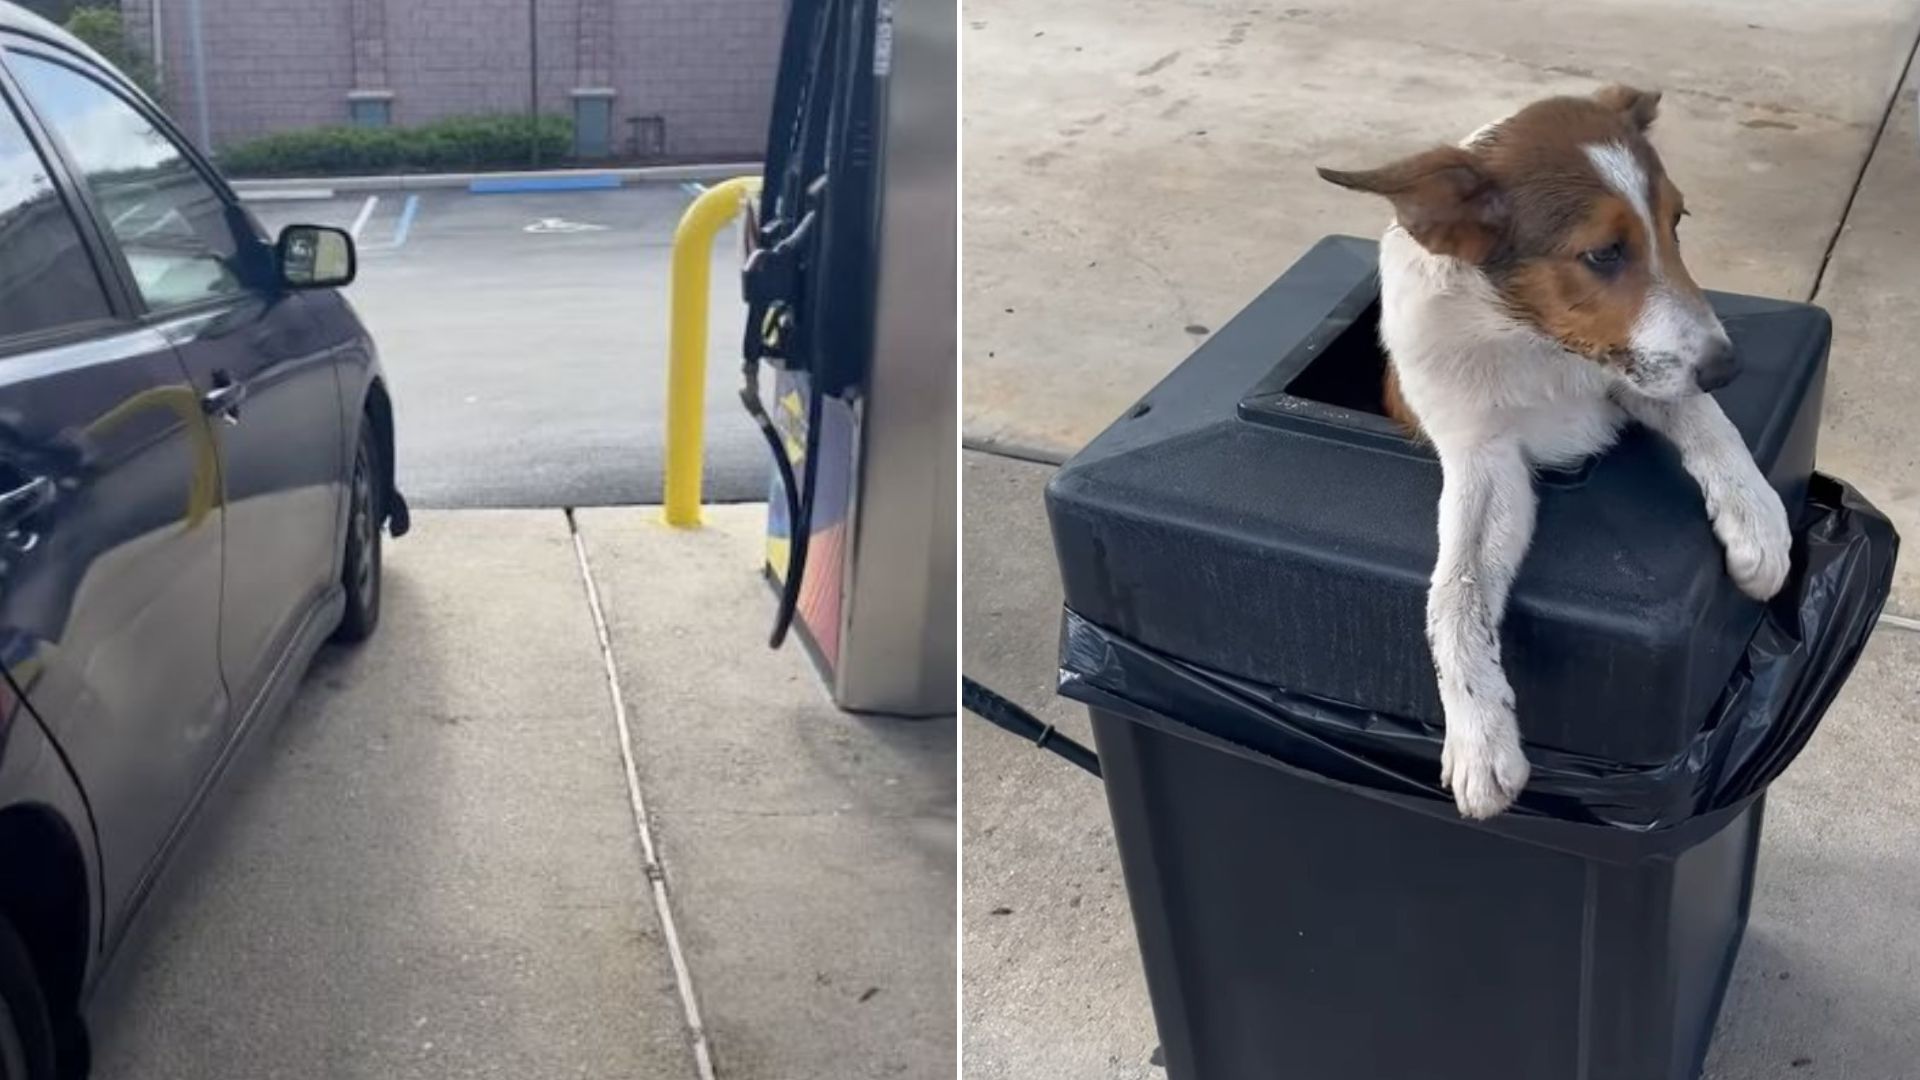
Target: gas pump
{"points": [[850, 285]]}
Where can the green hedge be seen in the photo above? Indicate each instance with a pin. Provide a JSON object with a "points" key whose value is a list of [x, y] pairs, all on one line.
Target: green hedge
{"points": [[459, 144]]}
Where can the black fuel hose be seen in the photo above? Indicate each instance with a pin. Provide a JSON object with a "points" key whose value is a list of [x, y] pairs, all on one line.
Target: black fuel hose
{"points": [[1002, 713], [797, 510], [799, 525]]}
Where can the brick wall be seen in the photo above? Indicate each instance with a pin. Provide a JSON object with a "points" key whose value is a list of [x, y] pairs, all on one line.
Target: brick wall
{"points": [[704, 67]]}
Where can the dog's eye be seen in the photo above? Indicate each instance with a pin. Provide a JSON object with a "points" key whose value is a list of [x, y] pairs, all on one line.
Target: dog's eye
{"points": [[1605, 259]]}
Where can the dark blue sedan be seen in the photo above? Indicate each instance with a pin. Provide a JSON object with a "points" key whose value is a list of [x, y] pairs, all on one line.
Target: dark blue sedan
{"points": [[196, 466]]}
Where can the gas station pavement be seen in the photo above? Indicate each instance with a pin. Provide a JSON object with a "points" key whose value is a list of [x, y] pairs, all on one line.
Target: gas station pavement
{"points": [[431, 867], [1131, 183], [811, 851]]}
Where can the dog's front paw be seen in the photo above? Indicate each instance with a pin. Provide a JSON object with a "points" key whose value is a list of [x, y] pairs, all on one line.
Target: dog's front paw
{"points": [[1752, 525], [1481, 761]]}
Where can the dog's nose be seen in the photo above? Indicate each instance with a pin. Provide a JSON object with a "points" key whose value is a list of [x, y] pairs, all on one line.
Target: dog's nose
{"points": [[1718, 367]]}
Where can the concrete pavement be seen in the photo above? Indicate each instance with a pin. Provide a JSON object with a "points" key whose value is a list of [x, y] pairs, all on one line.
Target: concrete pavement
{"points": [[1870, 431], [1051, 983], [1827, 982], [813, 851], [430, 867]]}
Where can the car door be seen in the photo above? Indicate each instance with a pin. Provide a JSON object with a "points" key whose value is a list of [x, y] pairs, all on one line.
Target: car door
{"points": [[110, 520], [255, 352]]}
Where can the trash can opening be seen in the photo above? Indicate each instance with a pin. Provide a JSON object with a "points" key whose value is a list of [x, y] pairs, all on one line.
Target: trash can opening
{"points": [[1349, 371]]}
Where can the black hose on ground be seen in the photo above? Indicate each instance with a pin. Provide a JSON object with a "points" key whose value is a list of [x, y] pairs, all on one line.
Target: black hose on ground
{"points": [[1002, 713]]}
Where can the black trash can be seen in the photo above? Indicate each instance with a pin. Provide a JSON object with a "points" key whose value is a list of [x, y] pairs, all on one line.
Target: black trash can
{"points": [[1245, 557]]}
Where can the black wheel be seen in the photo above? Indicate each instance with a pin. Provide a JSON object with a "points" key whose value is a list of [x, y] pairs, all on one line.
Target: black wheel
{"points": [[360, 568], [26, 1034]]}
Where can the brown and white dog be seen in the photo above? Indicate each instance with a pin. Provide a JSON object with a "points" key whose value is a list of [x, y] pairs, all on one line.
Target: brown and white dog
{"points": [[1533, 300]]}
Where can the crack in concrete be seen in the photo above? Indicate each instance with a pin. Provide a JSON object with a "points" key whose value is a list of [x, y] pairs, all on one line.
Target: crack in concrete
{"points": [[1860, 178], [650, 856]]}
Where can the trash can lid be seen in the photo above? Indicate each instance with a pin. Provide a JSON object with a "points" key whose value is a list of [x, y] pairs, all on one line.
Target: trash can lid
{"points": [[1255, 515]]}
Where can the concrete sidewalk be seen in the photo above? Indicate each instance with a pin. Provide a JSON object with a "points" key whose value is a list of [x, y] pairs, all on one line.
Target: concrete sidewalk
{"points": [[430, 867], [812, 852], [1052, 985], [1870, 430]]}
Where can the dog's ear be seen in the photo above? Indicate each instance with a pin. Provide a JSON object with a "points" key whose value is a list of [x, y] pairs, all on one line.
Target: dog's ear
{"points": [[1443, 198], [1640, 106]]}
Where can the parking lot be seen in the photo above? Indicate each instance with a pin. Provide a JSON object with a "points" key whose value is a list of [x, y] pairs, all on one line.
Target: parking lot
{"points": [[525, 337]]}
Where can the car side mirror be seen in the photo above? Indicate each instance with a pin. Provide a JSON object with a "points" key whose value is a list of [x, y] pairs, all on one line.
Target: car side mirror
{"points": [[315, 257]]}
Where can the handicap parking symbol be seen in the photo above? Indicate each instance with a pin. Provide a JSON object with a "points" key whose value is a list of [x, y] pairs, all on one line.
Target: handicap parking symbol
{"points": [[562, 225]]}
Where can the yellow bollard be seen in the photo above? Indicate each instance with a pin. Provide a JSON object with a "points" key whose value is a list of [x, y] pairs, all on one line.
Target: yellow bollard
{"points": [[687, 341]]}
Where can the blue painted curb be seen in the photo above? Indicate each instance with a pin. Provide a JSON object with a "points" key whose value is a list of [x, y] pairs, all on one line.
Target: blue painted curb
{"points": [[510, 185]]}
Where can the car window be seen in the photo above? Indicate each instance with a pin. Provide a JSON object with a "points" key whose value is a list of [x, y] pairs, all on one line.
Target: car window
{"points": [[172, 225], [47, 279]]}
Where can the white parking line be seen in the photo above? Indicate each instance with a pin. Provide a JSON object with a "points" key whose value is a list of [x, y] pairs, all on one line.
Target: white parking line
{"points": [[401, 228], [366, 212], [562, 225]]}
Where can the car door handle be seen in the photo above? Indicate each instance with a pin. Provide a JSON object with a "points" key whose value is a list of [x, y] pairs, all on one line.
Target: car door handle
{"points": [[224, 399], [18, 506]]}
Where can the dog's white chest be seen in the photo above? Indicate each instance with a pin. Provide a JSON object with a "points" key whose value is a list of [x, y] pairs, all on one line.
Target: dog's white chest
{"points": [[1474, 374], [1564, 432]]}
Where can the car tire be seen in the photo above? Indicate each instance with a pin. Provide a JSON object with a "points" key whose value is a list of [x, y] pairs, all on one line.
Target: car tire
{"points": [[360, 569], [26, 1033]]}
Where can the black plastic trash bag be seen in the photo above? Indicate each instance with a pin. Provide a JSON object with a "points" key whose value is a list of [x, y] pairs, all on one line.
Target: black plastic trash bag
{"points": [[1794, 665]]}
